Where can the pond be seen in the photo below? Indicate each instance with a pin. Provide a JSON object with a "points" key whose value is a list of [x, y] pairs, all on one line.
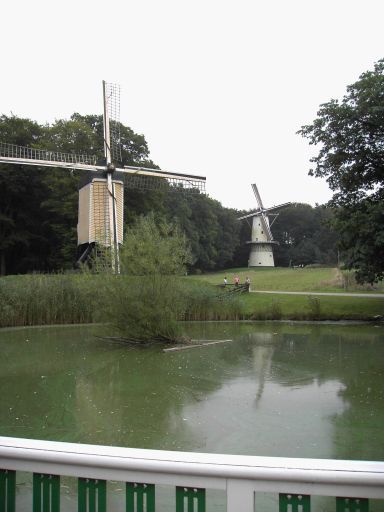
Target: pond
{"points": [[278, 389]]}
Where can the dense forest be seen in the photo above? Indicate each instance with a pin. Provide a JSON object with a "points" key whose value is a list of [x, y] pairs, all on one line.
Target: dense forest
{"points": [[39, 206]]}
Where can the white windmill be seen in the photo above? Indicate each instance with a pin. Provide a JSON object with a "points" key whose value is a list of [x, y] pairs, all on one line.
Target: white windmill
{"points": [[101, 195], [262, 242]]}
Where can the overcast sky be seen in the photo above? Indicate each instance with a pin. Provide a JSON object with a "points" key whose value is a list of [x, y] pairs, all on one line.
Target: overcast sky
{"points": [[218, 88]]}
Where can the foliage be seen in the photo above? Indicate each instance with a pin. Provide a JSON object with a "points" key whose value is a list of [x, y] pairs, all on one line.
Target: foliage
{"points": [[212, 230], [143, 308], [351, 155], [147, 298], [134, 147], [19, 207], [304, 236], [152, 247], [361, 231]]}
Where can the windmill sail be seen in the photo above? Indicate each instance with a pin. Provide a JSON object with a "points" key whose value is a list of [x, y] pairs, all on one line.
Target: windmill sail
{"points": [[13, 154], [257, 195], [263, 218], [265, 222], [112, 140], [134, 177]]}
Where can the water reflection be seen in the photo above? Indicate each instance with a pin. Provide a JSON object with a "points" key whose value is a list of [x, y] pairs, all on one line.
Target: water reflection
{"points": [[276, 389]]}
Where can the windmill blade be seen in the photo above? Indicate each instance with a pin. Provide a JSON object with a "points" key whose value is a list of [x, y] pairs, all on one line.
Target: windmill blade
{"points": [[145, 178], [257, 195], [137, 177], [148, 171], [279, 206], [265, 222], [248, 215], [13, 154], [112, 139]]}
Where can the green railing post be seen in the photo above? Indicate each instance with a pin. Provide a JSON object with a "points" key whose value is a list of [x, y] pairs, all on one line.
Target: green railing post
{"points": [[189, 496], [46, 493], [92, 495], [145, 497], [294, 503], [7, 490], [352, 505]]}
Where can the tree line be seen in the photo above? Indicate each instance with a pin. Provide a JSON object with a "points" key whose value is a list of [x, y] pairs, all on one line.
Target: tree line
{"points": [[39, 206]]}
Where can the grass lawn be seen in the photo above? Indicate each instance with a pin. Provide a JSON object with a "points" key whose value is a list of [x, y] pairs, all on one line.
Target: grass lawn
{"points": [[301, 307], [260, 306], [293, 279]]}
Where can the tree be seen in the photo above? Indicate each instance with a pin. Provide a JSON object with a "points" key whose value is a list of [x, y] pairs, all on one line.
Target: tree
{"points": [[154, 246], [22, 240], [212, 230], [350, 134], [304, 235]]}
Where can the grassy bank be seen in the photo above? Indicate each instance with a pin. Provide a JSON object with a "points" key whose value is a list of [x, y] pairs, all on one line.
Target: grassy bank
{"points": [[72, 298], [300, 307], [294, 279], [258, 306]]}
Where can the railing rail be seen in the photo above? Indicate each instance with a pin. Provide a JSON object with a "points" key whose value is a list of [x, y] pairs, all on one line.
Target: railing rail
{"points": [[240, 476]]}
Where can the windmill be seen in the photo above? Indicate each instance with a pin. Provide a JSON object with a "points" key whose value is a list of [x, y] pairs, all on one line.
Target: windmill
{"points": [[262, 242], [101, 192]]}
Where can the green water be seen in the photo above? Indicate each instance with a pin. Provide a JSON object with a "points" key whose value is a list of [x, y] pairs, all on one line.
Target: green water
{"points": [[276, 389]]}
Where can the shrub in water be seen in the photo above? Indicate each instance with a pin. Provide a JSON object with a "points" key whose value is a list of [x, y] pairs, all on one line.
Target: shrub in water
{"points": [[144, 302]]}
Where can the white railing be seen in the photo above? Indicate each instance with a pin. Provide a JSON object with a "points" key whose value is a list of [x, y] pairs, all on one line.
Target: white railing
{"points": [[240, 476]]}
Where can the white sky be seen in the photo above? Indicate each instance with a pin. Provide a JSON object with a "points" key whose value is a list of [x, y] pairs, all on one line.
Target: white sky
{"points": [[217, 87]]}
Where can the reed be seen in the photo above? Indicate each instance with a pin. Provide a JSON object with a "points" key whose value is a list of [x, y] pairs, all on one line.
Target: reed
{"points": [[41, 299], [206, 302]]}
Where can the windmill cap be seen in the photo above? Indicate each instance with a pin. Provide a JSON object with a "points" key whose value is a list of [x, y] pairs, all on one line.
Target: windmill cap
{"points": [[87, 177]]}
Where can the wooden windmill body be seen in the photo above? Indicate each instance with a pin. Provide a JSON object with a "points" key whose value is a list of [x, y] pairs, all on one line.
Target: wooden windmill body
{"points": [[101, 191], [262, 242], [94, 210]]}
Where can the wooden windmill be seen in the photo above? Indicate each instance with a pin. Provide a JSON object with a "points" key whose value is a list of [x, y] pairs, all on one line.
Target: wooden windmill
{"points": [[101, 193], [262, 242]]}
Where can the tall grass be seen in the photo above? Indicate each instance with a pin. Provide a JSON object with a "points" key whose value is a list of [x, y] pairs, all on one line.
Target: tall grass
{"points": [[205, 302], [45, 299], [138, 307]]}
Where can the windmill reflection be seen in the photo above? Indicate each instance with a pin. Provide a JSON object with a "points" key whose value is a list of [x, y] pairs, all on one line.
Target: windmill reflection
{"points": [[262, 353]]}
